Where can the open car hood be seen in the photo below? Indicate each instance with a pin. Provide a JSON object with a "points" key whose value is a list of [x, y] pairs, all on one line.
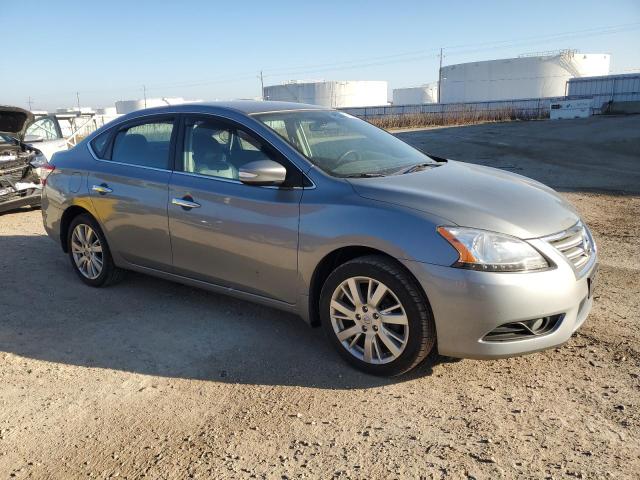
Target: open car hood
{"points": [[14, 121]]}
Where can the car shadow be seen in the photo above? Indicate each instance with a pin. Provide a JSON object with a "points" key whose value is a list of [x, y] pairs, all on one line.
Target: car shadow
{"points": [[155, 327]]}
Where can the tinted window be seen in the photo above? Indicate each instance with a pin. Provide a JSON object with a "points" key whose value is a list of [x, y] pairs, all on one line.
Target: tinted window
{"points": [[343, 145], [145, 144], [217, 150], [99, 144]]}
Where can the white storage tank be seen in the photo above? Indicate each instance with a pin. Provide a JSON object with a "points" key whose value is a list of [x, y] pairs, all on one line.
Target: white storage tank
{"points": [[527, 76], [416, 95], [334, 94], [128, 106]]}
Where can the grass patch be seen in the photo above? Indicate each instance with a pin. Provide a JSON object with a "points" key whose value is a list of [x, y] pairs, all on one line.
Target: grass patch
{"points": [[465, 116]]}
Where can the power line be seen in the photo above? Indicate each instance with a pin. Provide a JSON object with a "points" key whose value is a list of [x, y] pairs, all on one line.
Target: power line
{"points": [[479, 47], [434, 51], [388, 59]]}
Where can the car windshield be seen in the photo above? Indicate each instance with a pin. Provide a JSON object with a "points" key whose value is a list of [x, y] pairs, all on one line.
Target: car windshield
{"points": [[342, 145], [6, 139]]}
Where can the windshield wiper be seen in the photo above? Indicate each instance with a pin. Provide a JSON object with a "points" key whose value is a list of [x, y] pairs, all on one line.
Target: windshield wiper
{"points": [[415, 168], [363, 175]]}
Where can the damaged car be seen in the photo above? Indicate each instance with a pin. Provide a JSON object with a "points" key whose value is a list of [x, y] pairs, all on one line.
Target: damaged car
{"points": [[22, 166]]}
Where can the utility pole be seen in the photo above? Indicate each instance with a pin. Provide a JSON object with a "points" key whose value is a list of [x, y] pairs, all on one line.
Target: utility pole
{"points": [[440, 76], [144, 93], [29, 103], [261, 85], [78, 99]]}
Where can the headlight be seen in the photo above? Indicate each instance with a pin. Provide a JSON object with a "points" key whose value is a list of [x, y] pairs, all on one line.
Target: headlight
{"points": [[39, 160], [492, 252]]}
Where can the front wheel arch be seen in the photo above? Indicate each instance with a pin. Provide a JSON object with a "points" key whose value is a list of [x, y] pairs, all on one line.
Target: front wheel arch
{"points": [[333, 260], [408, 294]]}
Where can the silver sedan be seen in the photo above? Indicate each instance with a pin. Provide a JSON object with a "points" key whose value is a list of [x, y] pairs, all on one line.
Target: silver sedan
{"points": [[313, 211]]}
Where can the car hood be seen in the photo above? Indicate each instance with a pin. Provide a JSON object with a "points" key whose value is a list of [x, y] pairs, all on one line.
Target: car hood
{"points": [[475, 196], [14, 120]]}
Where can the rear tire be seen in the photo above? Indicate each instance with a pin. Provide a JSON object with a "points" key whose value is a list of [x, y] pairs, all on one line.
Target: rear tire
{"points": [[377, 316], [89, 253]]}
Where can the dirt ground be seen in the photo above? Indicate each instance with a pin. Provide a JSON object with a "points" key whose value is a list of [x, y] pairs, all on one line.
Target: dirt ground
{"points": [[153, 379]]}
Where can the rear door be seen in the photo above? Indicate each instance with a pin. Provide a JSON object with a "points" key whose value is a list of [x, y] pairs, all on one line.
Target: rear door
{"points": [[236, 235], [129, 189]]}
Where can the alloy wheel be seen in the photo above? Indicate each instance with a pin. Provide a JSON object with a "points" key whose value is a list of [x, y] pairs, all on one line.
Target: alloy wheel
{"points": [[87, 251], [369, 320]]}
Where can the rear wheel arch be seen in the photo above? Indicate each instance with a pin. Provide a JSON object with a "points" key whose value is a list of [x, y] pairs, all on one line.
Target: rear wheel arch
{"points": [[65, 222]]}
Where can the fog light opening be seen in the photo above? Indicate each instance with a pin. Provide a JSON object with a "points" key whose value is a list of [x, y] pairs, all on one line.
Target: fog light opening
{"points": [[524, 329]]}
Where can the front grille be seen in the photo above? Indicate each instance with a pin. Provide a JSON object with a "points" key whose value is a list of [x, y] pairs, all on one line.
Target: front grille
{"points": [[575, 244]]}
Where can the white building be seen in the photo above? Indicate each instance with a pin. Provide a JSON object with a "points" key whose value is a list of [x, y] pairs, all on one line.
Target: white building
{"points": [[335, 94], [416, 95], [532, 76], [107, 111]]}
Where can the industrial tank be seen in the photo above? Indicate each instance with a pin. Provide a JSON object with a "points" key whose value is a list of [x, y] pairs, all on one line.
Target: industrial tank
{"points": [[334, 94], [416, 95], [527, 76], [128, 106]]}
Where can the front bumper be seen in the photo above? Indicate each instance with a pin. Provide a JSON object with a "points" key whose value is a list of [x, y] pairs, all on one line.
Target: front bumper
{"points": [[15, 202], [469, 304]]}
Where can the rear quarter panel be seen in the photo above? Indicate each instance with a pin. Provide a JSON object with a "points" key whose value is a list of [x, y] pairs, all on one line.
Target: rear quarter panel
{"points": [[66, 186]]}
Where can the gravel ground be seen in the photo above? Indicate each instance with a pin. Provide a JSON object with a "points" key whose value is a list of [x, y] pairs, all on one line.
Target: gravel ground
{"points": [[154, 379]]}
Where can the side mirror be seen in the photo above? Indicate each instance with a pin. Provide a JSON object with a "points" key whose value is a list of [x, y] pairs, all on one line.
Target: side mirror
{"points": [[263, 172]]}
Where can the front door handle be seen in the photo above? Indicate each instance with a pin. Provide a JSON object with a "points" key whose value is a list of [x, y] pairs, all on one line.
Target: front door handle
{"points": [[186, 203], [102, 189]]}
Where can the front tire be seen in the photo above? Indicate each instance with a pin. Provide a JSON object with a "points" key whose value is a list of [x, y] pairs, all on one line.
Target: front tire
{"points": [[376, 315], [89, 253]]}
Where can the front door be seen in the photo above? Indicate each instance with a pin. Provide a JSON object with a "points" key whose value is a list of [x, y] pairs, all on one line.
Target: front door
{"points": [[223, 231], [129, 190]]}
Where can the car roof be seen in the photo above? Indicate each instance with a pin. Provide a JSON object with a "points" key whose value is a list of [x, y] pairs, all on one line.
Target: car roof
{"points": [[247, 107]]}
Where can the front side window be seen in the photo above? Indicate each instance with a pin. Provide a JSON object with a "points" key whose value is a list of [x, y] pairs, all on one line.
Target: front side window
{"points": [[218, 150], [342, 145], [43, 129], [145, 144]]}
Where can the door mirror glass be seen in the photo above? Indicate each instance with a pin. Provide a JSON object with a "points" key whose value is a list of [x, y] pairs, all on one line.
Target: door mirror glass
{"points": [[263, 172]]}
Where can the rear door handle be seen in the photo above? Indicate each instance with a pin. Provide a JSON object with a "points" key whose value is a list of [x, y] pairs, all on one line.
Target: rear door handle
{"points": [[102, 189], [186, 202]]}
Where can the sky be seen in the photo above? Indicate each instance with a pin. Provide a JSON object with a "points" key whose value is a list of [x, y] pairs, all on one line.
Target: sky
{"points": [[214, 50]]}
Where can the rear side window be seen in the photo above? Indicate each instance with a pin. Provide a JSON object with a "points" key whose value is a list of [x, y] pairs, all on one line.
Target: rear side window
{"points": [[99, 144], [144, 144]]}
